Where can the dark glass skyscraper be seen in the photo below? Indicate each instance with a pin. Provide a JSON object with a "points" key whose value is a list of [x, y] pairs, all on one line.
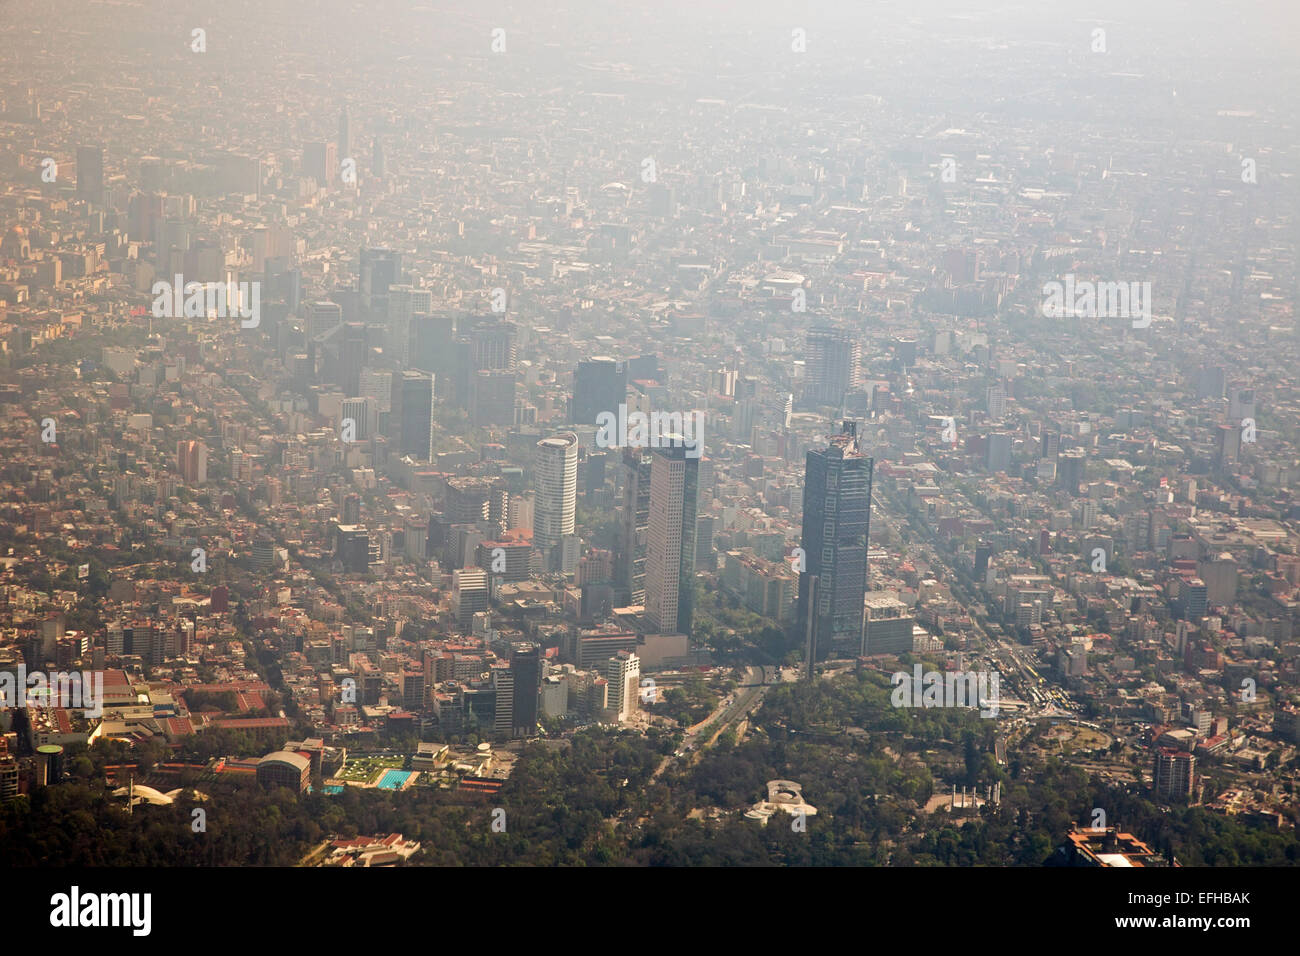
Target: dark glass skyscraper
{"points": [[413, 412], [836, 527], [526, 668], [599, 385], [634, 524], [90, 174], [379, 269]]}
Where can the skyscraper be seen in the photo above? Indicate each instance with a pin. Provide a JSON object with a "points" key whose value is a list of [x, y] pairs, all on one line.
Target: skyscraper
{"points": [[1173, 773], [526, 667], [996, 399], [836, 527], [483, 344], [556, 481], [833, 366], [323, 316], [404, 303], [90, 174], [492, 397], [379, 268], [599, 385], [192, 462], [413, 413], [345, 135], [1071, 467], [998, 452], [634, 524], [495, 345], [431, 344], [623, 671], [670, 545], [363, 412], [320, 161]]}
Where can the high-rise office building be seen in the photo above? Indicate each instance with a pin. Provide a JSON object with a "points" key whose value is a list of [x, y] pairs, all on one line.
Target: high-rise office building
{"points": [[556, 481], [404, 303], [364, 414], [320, 161], [623, 671], [832, 367], [8, 774], [996, 398], [478, 501], [1193, 598], [1227, 444], [492, 397], [599, 385], [323, 316], [836, 528], [192, 462], [494, 345], [90, 174], [503, 683], [469, 594], [634, 524], [350, 358], [1050, 442], [670, 543], [378, 161], [352, 547], [377, 384], [345, 136], [483, 343], [1241, 404], [378, 269], [1071, 468], [413, 414], [888, 625], [998, 452], [1173, 773], [432, 335], [526, 668]]}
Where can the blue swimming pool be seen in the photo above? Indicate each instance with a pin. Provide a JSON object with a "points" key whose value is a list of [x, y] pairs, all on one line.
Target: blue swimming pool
{"points": [[393, 779]]}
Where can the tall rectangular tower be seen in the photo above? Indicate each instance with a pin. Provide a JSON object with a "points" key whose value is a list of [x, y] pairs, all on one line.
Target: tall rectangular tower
{"points": [[413, 412], [833, 366], [634, 523], [556, 479], [836, 527], [90, 174], [670, 545]]}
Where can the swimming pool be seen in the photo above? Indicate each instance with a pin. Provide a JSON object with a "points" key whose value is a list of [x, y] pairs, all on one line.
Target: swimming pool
{"points": [[393, 779]]}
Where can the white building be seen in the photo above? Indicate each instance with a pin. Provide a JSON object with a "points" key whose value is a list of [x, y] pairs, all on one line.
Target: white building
{"points": [[623, 671], [555, 506]]}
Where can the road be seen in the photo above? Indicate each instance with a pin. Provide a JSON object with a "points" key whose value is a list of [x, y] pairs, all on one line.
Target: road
{"points": [[746, 699]]}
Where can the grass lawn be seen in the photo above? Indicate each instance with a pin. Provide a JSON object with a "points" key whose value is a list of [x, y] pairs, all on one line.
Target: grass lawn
{"points": [[367, 769]]}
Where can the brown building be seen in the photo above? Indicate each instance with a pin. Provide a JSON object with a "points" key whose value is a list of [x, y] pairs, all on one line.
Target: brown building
{"points": [[284, 769]]}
